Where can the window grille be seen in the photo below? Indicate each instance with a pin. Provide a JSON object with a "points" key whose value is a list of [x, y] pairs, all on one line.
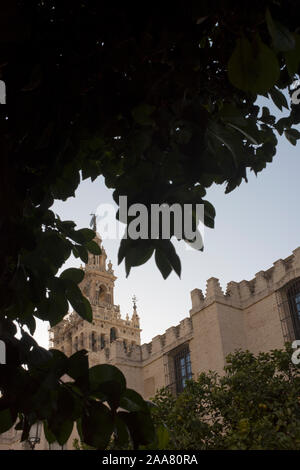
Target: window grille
{"points": [[293, 295], [183, 369], [288, 301]]}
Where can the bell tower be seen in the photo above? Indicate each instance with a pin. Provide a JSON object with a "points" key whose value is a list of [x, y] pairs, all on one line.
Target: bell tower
{"points": [[99, 279], [73, 333]]}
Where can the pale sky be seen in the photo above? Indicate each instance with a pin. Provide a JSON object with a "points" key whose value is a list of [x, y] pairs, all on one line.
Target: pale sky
{"points": [[256, 225]]}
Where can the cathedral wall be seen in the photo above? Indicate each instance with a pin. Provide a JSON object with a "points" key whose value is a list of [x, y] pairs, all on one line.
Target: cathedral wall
{"points": [[153, 376], [232, 328], [206, 345], [157, 356], [263, 326], [126, 357]]}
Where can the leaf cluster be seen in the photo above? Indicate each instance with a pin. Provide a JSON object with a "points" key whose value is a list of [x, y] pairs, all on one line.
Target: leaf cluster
{"points": [[254, 405]]}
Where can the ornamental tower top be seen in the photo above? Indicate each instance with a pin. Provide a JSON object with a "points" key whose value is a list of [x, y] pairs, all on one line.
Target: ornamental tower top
{"points": [[73, 333]]}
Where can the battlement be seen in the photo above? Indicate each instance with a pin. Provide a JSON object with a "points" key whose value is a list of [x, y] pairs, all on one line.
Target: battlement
{"points": [[117, 351], [173, 336], [160, 344], [244, 293]]}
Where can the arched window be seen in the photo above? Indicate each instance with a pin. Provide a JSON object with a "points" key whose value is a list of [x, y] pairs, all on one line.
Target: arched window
{"points": [[81, 341], [293, 295], [102, 341], [93, 341], [102, 293], [113, 334]]}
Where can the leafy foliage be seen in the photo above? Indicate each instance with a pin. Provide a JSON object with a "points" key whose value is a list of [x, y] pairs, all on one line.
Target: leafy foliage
{"points": [[255, 405], [91, 399], [157, 103]]}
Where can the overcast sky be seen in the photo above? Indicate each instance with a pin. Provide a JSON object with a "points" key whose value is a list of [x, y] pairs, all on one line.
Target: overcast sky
{"points": [[256, 224]]}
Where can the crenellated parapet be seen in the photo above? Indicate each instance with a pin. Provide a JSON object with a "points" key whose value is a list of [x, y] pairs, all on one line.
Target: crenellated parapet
{"points": [[118, 351], [197, 298], [162, 344], [244, 293], [159, 345], [213, 289]]}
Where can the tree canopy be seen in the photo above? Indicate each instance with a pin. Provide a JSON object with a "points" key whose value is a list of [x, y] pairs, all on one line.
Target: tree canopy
{"points": [[254, 405], [159, 99]]}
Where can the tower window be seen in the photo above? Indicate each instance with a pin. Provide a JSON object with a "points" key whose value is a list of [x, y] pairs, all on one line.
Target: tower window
{"points": [[81, 341], [102, 341], [182, 367], [113, 334], [102, 293], [93, 341]]}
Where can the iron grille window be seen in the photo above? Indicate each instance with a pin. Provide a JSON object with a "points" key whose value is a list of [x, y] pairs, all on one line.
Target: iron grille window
{"points": [[293, 295], [183, 369]]}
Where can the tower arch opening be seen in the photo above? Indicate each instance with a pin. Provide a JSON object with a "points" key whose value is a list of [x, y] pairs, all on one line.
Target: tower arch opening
{"points": [[113, 334]]}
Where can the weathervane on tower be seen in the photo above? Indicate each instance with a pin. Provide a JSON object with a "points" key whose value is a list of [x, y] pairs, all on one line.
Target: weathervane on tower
{"points": [[93, 223], [134, 300]]}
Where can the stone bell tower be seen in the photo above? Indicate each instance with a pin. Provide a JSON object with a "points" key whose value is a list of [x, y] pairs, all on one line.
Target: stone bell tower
{"points": [[99, 279], [73, 333]]}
